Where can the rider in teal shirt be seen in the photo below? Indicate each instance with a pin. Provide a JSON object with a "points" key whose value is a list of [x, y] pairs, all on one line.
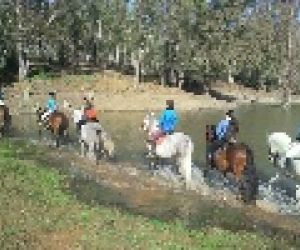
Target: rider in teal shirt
{"points": [[51, 104], [168, 119]]}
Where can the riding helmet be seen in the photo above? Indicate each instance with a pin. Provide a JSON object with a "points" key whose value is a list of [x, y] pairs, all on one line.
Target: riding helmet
{"points": [[170, 103]]}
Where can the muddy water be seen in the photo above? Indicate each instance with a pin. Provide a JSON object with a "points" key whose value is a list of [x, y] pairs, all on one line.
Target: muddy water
{"points": [[195, 211], [255, 122]]}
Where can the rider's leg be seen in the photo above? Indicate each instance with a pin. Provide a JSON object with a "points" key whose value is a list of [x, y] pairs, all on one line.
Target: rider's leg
{"points": [[45, 115]]}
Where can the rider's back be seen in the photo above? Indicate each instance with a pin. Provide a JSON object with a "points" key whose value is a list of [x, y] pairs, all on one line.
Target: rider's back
{"points": [[91, 114], [168, 120], [51, 104], [221, 129]]}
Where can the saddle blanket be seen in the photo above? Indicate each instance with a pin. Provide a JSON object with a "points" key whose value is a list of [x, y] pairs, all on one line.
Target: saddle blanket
{"points": [[89, 130], [160, 139]]}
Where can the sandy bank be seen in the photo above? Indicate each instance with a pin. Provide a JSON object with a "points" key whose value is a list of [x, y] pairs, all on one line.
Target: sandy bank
{"points": [[111, 91]]}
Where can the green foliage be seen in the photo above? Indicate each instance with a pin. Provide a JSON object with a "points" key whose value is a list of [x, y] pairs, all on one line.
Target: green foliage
{"points": [[213, 38], [35, 206]]}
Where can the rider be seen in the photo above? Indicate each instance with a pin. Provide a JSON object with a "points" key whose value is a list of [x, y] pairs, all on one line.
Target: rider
{"points": [[51, 106], [168, 119], [234, 126], [90, 113], [222, 129]]}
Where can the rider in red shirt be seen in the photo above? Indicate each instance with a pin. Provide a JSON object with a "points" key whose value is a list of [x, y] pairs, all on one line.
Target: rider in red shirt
{"points": [[90, 113]]}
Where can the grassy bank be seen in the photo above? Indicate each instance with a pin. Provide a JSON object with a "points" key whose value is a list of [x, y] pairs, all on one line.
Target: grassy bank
{"points": [[37, 212]]}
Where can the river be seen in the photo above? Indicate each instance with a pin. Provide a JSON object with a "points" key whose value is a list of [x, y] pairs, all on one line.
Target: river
{"points": [[255, 122]]}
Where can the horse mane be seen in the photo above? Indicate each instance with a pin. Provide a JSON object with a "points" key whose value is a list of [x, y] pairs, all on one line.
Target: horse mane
{"points": [[249, 152], [211, 129]]}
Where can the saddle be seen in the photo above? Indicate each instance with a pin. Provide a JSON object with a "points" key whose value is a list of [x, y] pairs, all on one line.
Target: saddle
{"points": [[157, 137]]}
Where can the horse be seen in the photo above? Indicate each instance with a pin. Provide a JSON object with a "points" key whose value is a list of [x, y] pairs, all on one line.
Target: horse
{"points": [[98, 141], [284, 153], [57, 123], [235, 158], [177, 145], [5, 120], [77, 119]]}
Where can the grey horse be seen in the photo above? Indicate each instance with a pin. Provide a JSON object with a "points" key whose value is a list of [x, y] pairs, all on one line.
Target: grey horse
{"points": [[97, 140]]}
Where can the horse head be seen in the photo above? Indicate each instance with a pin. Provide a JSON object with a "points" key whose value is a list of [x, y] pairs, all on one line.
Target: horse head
{"points": [[39, 111], [278, 144], [149, 123], [210, 133]]}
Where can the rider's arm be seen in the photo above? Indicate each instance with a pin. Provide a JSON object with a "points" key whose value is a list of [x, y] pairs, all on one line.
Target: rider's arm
{"points": [[49, 104], [175, 118], [161, 118], [219, 129]]}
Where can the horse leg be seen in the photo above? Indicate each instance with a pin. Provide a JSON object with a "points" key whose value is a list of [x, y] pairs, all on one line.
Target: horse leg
{"points": [[82, 143], [57, 138], [40, 132], [66, 135], [91, 150], [97, 152], [186, 165], [178, 163], [152, 163]]}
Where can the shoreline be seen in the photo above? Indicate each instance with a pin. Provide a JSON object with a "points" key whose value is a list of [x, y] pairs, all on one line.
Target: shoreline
{"points": [[115, 93], [17, 105]]}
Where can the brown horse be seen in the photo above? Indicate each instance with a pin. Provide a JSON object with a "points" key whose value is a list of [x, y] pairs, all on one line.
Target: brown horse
{"points": [[5, 120], [234, 158], [57, 123]]}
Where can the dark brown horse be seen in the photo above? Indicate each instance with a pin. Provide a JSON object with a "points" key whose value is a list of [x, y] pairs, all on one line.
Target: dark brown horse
{"points": [[5, 120], [57, 123], [234, 158]]}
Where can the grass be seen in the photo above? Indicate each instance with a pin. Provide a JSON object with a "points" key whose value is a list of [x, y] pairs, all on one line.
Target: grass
{"points": [[36, 212]]}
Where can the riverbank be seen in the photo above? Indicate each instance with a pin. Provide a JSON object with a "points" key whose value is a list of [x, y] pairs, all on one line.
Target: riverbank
{"points": [[115, 92], [45, 213], [243, 95], [112, 91]]}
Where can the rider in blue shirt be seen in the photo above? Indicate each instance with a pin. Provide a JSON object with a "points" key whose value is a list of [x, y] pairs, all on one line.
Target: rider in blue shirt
{"points": [[225, 130], [168, 119], [50, 107], [222, 127]]}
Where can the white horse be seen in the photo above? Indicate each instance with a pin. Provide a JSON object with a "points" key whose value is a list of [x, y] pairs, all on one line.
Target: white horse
{"points": [[177, 145], [93, 136], [283, 152], [77, 117]]}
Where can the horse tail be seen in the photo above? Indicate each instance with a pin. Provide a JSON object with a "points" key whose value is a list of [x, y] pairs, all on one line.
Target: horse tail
{"points": [[249, 183], [187, 163]]}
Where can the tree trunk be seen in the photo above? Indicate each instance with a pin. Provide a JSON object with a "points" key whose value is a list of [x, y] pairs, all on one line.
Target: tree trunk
{"points": [[117, 58], [163, 78], [288, 80], [181, 79], [19, 44], [137, 72], [21, 63], [125, 55], [230, 78]]}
